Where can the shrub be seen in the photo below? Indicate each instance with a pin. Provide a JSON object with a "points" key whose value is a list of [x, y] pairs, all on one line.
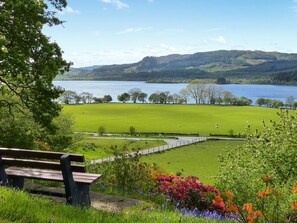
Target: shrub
{"points": [[190, 193], [271, 152], [127, 174], [101, 131], [273, 203], [132, 130]]}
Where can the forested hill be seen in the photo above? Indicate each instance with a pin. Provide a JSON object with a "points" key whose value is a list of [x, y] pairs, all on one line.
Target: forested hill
{"points": [[235, 66]]}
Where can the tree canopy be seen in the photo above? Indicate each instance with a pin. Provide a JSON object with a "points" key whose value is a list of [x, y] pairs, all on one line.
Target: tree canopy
{"points": [[29, 61]]}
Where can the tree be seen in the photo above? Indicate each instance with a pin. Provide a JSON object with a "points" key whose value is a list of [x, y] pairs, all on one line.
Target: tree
{"points": [[221, 80], [142, 97], [69, 97], [163, 97], [277, 103], [29, 61], [219, 94], [177, 99], [154, 98], [228, 97], [195, 91], [184, 93], [124, 97], [86, 97], [290, 101], [98, 100], [210, 93], [260, 101], [134, 93], [64, 134], [107, 98], [242, 101], [170, 99]]}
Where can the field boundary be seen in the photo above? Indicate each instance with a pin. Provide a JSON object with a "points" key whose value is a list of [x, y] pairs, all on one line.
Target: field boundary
{"points": [[170, 144]]}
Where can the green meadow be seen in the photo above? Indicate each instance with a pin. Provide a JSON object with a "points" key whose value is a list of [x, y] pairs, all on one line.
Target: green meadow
{"points": [[99, 147], [199, 159], [161, 118]]}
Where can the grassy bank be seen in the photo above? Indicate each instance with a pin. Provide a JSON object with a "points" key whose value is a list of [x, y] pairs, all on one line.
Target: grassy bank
{"points": [[20, 207], [187, 119], [200, 159]]}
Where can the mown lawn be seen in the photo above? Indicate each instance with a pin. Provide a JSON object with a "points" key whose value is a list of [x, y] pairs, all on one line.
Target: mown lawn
{"points": [[199, 159], [187, 119], [95, 148]]}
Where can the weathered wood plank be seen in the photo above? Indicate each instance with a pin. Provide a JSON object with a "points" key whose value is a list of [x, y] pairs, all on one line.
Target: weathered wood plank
{"points": [[39, 164], [23, 153], [52, 175]]}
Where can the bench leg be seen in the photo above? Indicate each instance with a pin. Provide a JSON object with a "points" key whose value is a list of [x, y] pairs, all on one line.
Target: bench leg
{"points": [[3, 176], [81, 197], [16, 182], [76, 193]]}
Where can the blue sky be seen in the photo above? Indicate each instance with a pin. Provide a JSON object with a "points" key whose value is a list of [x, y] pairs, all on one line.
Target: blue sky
{"points": [[98, 32]]}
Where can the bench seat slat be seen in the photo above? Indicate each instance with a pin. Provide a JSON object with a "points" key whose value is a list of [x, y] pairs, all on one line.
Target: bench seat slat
{"points": [[24, 153], [39, 164], [52, 175]]}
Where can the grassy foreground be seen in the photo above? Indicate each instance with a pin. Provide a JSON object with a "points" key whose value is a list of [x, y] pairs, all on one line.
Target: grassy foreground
{"points": [[187, 119], [20, 207], [199, 159]]}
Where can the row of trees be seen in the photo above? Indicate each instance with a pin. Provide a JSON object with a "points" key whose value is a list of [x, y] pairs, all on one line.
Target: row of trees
{"points": [[200, 93], [274, 103], [71, 97], [133, 95]]}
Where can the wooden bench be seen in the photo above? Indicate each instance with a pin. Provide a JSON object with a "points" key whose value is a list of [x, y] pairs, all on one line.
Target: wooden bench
{"points": [[17, 164]]}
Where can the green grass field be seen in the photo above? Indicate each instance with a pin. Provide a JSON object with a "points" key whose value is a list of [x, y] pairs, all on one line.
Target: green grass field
{"points": [[187, 119], [95, 148], [199, 159]]}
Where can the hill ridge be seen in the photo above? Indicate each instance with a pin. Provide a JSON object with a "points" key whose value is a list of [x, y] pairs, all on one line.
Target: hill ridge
{"points": [[234, 65]]}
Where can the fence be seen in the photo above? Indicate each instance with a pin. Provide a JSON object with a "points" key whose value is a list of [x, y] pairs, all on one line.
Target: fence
{"points": [[156, 149]]}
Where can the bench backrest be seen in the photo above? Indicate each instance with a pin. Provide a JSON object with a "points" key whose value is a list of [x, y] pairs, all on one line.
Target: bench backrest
{"points": [[39, 159]]}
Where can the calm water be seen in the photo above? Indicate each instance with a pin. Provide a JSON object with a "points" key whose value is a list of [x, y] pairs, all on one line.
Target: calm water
{"points": [[114, 88]]}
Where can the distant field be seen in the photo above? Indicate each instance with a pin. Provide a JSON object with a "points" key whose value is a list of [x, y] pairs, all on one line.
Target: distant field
{"points": [[199, 159], [188, 119]]}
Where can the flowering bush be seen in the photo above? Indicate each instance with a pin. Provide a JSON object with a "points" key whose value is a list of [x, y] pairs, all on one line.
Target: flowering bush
{"points": [[270, 151], [274, 204], [190, 194]]}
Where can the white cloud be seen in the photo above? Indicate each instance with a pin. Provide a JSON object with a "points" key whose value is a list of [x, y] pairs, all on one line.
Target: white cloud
{"points": [[69, 10], [219, 39], [118, 3], [150, 0], [168, 48], [133, 30]]}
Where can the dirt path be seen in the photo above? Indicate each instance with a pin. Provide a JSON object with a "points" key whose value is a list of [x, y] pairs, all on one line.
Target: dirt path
{"points": [[99, 201]]}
